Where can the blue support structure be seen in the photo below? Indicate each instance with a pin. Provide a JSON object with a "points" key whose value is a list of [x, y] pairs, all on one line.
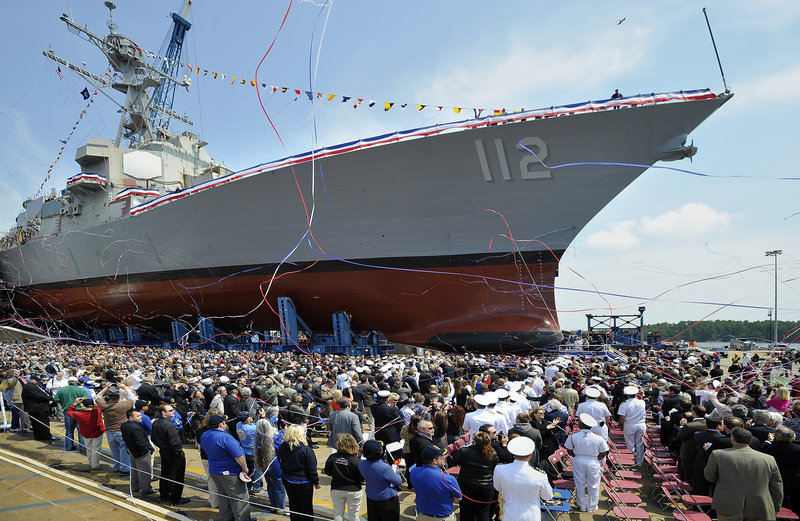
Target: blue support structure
{"points": [[115, 336], [133, 334], [342, 333], [179, 331], [165, 94], [98, 335]]}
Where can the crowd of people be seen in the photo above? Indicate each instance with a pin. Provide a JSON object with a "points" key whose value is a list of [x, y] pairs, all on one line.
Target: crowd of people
{"points": [[473, 434]]}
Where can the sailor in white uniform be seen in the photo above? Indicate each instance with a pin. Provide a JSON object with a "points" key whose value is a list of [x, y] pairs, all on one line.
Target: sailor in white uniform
{"points": [[596, 410], [482, 416], [631, 416], [521, 486], [586, 449]]}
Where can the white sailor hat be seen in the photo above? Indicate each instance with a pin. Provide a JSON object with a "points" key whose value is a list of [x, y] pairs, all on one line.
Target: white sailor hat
{"points": [[370, 362], [383, 394], [481, 400], [491, 397], [592, 392], [587, 420], [521, 446], [224, 379], [207, 381], [515, 397], [501, 394], [597, 379], [630, 390]]}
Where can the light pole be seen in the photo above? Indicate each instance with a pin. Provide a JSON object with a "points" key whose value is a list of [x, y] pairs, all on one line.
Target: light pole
{"points": [[775, 253]]}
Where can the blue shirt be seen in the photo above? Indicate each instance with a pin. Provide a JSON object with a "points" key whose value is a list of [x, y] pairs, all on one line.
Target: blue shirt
{"points": [[435, 490], [222, 449], [247, 436], [147, 423], [382, 482]]}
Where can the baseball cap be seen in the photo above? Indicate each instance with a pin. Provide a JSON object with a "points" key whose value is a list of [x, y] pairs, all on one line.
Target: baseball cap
{"points": [[430, 452]]}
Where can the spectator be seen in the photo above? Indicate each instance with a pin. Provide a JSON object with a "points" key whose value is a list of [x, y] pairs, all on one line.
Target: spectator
{"points": [[521, 486], [343, 421], [748, 483], [343, 468], [139, 450], [299, 465], [90, 425], [787, 455], [382, 482], [477, 462], [267, 441], [435, 491], [66, 396], [173, 460], [225, 463], [114, 408], [36, 402]]}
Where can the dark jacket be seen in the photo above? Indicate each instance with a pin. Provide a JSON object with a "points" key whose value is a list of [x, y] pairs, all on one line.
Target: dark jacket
{"points": [[787, 455], [36, 400], [476, 471], [344, 471], [165, 436], [298, 465], [415, 446], [135, 438], [527, 430], [384, 414]]}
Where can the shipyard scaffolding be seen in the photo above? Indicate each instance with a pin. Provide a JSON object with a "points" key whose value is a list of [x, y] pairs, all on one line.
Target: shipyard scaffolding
{"points": [[621, 331]]}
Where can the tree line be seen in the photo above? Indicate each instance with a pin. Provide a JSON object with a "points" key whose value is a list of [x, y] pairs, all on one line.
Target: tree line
{"points": [[724, 330]]}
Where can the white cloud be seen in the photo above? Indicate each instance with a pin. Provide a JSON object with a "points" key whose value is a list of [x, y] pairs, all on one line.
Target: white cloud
{"points": [[690, 221], [532, 65], [765, 90]]}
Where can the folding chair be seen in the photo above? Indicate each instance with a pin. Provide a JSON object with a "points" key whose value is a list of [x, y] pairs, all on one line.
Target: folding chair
{"points": [[561, 482], [620, 485], [679, 514], [701, 503]]}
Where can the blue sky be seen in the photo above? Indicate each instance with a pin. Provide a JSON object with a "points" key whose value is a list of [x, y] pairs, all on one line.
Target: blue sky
{"points": [[695, 243]]}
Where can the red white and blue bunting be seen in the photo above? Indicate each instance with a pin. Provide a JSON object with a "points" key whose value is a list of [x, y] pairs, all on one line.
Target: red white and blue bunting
{"points": [[432, 130]]}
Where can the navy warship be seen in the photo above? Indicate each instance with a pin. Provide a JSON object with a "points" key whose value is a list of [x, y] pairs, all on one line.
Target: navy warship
{"points": [[446, 236]]}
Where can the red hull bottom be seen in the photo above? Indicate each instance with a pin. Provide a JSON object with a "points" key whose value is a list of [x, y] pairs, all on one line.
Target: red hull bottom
{"points": [[496, 308]]}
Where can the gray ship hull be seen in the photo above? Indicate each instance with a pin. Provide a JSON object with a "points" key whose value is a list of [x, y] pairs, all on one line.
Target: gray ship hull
{"points": [[444, 240]]}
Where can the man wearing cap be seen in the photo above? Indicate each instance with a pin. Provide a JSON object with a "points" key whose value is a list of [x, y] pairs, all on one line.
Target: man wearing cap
{"points": [[435, 491], [521, 486], [139, 449], [483, 415], [37, 404], [65, 397], [144, 408], [388, 420], [226, 460], [90, 425], [382, 484], [631, 416], [587, 450], [596, 410]]}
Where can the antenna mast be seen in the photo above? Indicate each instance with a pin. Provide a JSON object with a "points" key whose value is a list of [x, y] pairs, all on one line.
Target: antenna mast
{"points": [[724, 83]]}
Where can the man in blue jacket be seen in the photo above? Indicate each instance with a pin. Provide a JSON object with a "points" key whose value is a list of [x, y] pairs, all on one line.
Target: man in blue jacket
{"points": [[436, 491], [382, 484]]}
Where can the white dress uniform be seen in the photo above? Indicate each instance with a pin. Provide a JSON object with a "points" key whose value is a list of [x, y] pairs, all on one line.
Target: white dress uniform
{"points": [[586, 467], [521, 486], [598, 411], [633, 428]]}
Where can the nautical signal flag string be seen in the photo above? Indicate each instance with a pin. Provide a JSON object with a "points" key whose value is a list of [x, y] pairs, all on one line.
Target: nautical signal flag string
{"points": [[310, 96], [86, 96]]}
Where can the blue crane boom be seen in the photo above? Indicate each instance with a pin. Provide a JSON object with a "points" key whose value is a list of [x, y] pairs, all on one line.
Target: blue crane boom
{"points": [[165, 94]]}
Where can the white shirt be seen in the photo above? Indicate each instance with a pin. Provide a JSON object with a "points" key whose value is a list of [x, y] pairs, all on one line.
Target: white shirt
{"points": [[585, 443], [633, 410], [521, 488], [593, 408]]}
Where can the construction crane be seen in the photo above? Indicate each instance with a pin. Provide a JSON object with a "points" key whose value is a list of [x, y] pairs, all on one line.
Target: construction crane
{"points": [[170, 64]]}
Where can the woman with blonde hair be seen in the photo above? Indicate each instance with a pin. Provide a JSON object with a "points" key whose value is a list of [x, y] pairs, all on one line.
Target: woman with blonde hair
{"points": [[299, 466], [780, 400], [343, 468]]}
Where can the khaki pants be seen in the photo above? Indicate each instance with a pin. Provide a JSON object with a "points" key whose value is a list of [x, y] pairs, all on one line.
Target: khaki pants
{"points": [[423, 517]]}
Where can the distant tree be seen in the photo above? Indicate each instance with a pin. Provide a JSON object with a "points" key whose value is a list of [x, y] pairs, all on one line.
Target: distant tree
{"points": [[724, 330]]}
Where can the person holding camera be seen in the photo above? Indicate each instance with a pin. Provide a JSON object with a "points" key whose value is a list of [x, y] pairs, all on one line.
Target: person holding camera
{"points": [[114, 407]]}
